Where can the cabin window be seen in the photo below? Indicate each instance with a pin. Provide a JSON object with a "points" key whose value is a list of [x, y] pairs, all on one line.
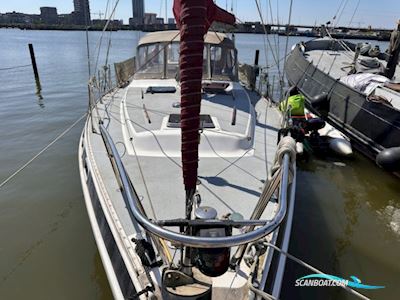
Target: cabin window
{"points": [[216, 53], [161, 60], [173, 53], [172, 60], [158, 60], [151, 60], [222, 62]]}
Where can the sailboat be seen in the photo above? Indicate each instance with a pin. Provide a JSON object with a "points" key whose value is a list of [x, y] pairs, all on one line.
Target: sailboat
{"points": [[187, 188]]}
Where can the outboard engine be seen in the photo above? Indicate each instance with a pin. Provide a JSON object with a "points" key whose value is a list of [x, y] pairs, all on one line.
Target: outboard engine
{"points": [[212, 262], [314, 124]]}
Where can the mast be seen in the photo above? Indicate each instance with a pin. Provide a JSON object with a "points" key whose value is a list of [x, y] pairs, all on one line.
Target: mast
{"points": [[193, 18], [166, 11], [393, 52]]}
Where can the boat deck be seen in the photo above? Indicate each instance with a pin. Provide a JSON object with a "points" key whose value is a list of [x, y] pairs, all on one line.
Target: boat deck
{"points": [[229, 184], [336, 64], [236, 150], [333, 63], [161, 105]]}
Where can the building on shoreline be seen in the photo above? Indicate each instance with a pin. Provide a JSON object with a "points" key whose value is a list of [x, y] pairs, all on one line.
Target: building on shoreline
{"points": [[138, 14], [113, 24], [19, 18], [82, 12], [150, 18], [49, 15]]}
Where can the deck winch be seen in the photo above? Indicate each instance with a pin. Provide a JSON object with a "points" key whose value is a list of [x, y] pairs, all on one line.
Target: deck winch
{"points": [[212, 262]]}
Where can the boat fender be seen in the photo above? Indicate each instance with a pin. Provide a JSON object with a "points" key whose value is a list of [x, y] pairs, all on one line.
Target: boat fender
{"points": [[320, 102], [340, 146], [389, 159]]}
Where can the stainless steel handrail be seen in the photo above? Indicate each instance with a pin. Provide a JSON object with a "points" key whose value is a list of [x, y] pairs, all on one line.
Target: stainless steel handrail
{"points": [[192, 241]]}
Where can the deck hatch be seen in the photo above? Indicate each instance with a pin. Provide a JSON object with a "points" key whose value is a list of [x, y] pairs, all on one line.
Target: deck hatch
{"points": [[174, 121], [161, 89]]}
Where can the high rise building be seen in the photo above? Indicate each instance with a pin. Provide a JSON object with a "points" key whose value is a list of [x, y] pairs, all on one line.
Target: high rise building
{"points": [[82, 12], [138, 12]]}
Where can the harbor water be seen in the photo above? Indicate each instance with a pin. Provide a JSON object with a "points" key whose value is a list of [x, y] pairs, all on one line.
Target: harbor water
{"points": [[347, 214]]}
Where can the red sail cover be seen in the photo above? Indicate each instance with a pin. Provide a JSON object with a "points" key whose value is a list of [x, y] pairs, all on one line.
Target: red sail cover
{"points": [[193, 17]]}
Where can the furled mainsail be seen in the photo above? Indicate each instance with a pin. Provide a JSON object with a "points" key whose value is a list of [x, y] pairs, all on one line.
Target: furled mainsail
{"points": [[193, 17]]}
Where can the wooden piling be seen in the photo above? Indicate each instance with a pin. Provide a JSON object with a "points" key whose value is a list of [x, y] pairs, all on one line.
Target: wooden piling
{"points": [[256, 59], [33, 59], [35, 69], [256, 68]]}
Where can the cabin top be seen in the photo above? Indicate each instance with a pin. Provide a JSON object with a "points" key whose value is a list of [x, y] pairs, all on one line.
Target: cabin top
{"points": [[214, 38], [151, 114]]}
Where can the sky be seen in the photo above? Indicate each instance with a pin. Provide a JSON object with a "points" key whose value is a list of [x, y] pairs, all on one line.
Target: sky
{"points": [[378, 14]]}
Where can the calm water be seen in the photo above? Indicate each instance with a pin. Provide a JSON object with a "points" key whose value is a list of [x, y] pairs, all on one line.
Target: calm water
{"points": [[347, 217]]}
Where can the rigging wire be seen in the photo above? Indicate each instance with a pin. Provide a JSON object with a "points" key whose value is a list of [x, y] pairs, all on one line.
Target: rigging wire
{"points": [[25, 165], [143, 179], [166, 11], [107, 7], [109, 40], [278, 23], [354, 13], [348, 52], [16, 67], [88, 51], [336, 13], [156, 53], [341, 13], [315, 270], [264, 39], [99, 42], [274, 35], [287, 40], [266, 36], [98, 46]]}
